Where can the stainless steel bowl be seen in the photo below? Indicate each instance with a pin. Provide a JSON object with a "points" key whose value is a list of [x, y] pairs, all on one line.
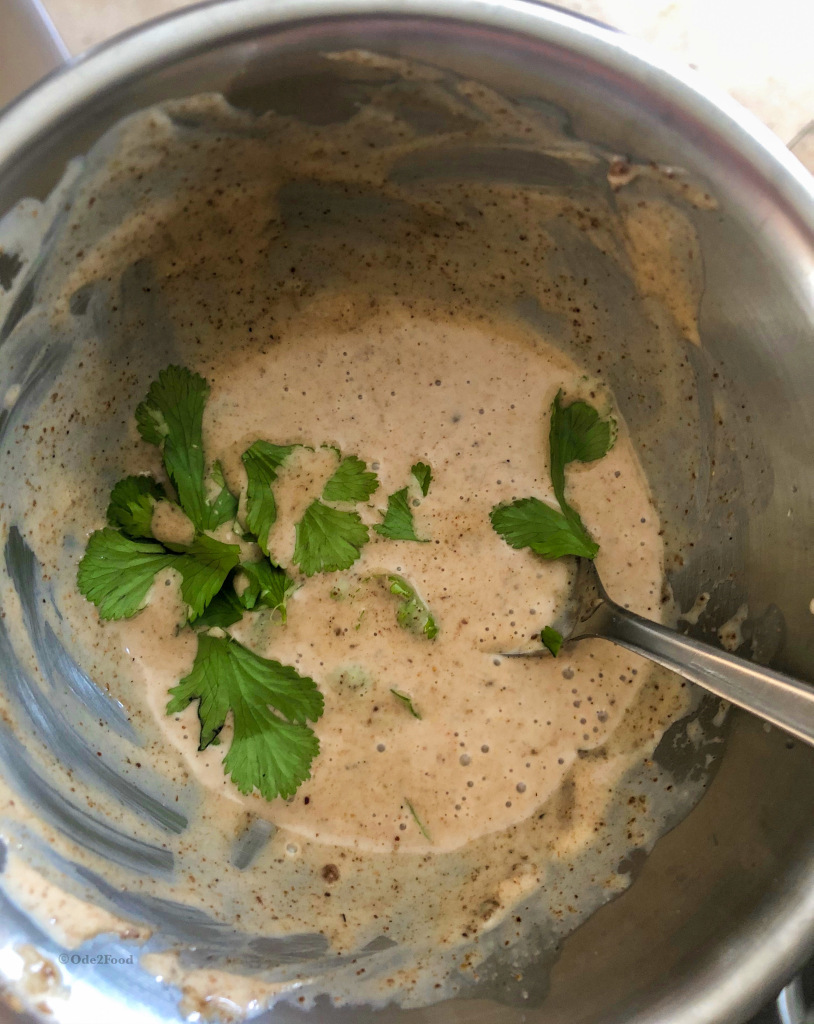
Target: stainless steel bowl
{"points": [[722, 912]]}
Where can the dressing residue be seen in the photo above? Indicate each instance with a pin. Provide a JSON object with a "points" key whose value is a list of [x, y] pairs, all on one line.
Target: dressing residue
{"points": [[407, 284]]}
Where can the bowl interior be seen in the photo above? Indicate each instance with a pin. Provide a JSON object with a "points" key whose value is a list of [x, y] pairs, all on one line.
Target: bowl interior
{"points": [[720, 912]]}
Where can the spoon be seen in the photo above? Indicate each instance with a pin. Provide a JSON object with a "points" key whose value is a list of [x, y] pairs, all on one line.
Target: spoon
{"points": [[779, 699]]}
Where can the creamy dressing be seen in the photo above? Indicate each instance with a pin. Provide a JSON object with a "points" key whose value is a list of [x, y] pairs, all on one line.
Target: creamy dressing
{"points": [[497, 735], [333, 298]]}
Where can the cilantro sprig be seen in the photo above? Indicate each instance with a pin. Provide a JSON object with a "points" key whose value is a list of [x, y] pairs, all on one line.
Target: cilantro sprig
{"points": [[261, 462], [171, 417], [272, 745], [576, 434]]}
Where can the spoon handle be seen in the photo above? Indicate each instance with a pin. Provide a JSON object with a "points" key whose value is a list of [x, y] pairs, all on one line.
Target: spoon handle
{"points": [[777, 698]]}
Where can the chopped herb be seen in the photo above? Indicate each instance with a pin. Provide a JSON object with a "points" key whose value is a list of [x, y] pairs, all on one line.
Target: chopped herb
{"points": [[269, 586], [328, 539], [204, 565], [261, 461], [224, 507], [530, 523], [407, 701], [552, 639], [576, 434], [223, 610], [116, 572], [423, 474], [398, 519], [272, 747], [418, 821], [132, 502], [352, 481], [171, 417], [413, 613]]}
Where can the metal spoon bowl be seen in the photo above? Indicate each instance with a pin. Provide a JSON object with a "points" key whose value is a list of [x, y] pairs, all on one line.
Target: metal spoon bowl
{"points": [[785, 702]]}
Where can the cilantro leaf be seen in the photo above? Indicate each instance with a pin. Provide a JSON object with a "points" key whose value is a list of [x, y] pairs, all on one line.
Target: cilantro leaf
{"points": [[407, 701], [171, 417], [529, 523], [116, 572], [269, 585], [131, 506], [224, 506], [204, 565], [223, 610], [327, 539], [351, 481], [413, 613], [262, 461], [552, 639], [423, 474], [398, 519], [576, 434], [272, 747]]}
